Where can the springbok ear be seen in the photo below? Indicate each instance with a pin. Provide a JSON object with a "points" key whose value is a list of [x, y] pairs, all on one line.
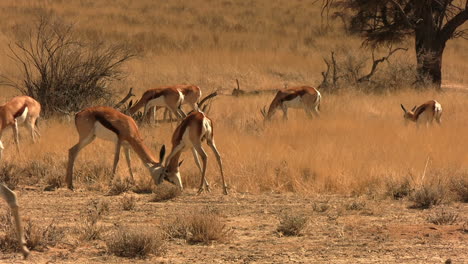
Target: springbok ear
{"points": [[414, 108], [162, 153], [402, 107], [180, 163]]}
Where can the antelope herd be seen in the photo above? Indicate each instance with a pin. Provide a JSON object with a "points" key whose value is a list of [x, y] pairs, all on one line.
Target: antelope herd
{"points": [[110, 124]]}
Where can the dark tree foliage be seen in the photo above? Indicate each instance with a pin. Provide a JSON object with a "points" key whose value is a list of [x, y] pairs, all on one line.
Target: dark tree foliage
{"points": [[430, 22]]}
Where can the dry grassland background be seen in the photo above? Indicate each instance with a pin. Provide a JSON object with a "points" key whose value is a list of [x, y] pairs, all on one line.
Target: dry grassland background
{"points": [[359, 146]]}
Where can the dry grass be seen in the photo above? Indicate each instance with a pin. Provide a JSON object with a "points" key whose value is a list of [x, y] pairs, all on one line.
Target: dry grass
{"points": [[443, 217], [165, 192], [133, 242], [38, 237], [292, 224], [198, 226], [128, 202]]}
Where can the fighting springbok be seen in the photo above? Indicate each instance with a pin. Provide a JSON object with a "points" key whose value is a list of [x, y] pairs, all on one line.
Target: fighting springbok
{"points": [[190, 134], [425, 113], [10, 197], [305, 97], [111, 125], [171, 97], [19, 110]]}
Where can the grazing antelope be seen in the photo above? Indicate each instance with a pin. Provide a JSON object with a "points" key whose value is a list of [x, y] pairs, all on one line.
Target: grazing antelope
{"points": [[10, 197], [19, 110], [171, 97], [425, 113], [190, 134], [305, 97], [192, 95], [110, 124]]}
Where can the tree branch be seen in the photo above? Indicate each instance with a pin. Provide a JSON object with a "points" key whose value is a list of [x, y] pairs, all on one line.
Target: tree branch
{"points": [[376, 63], [449, 28]]}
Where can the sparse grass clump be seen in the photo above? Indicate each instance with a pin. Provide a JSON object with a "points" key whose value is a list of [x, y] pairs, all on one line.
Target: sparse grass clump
{"points": [[443, 217], [165, 192], [204, 226], [356, 205], [90, 228], [37, 237], [8, 174], [459, 185], [292, 225], [320, 207], [427, 196], [119, 187], [399, 189], [132, 242], [128, 202]]}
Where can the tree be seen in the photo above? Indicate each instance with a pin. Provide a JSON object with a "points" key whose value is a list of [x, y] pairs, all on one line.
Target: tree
{"points": [[431, 22], [60, 70]]}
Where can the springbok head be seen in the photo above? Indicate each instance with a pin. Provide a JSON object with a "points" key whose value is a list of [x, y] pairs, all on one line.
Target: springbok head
{"points": [[408, 115]]}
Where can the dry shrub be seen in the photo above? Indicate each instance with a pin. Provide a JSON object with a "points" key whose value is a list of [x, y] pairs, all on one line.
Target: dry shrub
{"points": [[398, 189], [90, 228], [37, 237], [443, 217], [40, 237], [9, 241], [427, 196], [320, 207], [8, 175], [119, 187], [132, 242], [165, 192], [128, 202], [203, 226], [459, 186], [143, 186], [292, 225], [356, 205]]}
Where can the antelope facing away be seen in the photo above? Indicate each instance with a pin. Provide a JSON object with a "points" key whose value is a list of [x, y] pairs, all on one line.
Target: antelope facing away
{"points": [[111, 125], [305, 97], [425, 113], [10, 197], [19, 110], [171, 97], [190, 134]]}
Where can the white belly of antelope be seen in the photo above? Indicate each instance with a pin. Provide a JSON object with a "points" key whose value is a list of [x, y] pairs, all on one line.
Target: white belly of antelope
{"points": [[294, 103], [160, 101], [103, 133]]}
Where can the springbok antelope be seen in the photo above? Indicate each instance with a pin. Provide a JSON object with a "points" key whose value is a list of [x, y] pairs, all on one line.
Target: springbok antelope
{"points": [[110, 124], [425, 113], [171, 97], [192, 95], [10, 197], [190, 134], [19, 110], [305, 97]]}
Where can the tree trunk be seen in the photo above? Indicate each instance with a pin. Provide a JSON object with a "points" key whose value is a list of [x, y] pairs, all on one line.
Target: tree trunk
{"points": [[429, 46], [429, 65]]}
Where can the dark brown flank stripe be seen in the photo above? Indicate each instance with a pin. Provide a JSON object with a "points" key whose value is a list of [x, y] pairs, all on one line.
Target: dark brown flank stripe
{"points": [[20, 111], [419, 111], [106, 123]]}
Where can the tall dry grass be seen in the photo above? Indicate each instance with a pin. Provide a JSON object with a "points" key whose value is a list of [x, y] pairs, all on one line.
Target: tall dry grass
{"points": [[358, 145]]}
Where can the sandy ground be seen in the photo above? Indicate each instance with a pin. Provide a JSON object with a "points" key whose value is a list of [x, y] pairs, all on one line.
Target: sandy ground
{"points": [[382, 231]]}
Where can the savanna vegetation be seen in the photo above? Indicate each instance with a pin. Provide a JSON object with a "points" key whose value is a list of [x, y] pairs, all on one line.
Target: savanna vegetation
{"points": [[350, 185]]}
